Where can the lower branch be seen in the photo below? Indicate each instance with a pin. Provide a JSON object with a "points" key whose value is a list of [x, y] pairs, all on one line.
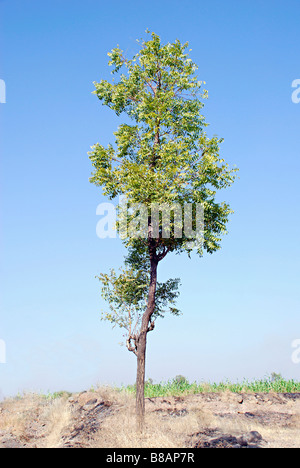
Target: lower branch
{"points": [[151, 326], [131, 348]]}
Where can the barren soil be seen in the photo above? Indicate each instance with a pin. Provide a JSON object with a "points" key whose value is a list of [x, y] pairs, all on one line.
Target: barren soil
{"points": [[106, 418]]}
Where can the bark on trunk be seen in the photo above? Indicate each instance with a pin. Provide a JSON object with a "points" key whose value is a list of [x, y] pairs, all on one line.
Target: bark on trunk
{"points": [[142, 339], [140, 382], [141, 348]]}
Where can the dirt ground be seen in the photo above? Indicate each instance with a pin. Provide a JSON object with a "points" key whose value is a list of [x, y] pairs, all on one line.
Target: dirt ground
{"points": [[106, 418]]}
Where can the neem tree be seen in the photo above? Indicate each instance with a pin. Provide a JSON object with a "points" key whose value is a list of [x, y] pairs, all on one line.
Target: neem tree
{"points": [[161, 157]]}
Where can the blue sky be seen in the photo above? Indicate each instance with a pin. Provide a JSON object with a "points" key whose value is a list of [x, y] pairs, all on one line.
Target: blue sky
{"points": [[241, 305]]}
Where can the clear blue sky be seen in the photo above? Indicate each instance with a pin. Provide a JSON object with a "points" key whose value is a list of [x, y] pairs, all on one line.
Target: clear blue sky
{"points": [[241, 305]]}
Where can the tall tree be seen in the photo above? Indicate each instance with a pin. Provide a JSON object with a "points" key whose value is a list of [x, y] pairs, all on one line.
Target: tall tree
{"points": [[162, 157]]}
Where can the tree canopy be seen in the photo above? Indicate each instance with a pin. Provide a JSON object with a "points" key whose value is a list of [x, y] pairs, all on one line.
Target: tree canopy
{"points": [[164, 155]]}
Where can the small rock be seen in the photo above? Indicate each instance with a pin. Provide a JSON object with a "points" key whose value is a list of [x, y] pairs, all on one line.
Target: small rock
{"points": [[89, 403], [250, 438], [92, 402], [79, 427], [242, 441], [254, 436]]}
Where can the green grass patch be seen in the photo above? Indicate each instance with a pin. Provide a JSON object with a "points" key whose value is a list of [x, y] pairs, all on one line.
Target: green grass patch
{"points": [[55, 395], [181, 386]]}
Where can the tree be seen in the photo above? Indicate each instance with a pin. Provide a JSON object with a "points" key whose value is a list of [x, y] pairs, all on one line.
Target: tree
{"points": [[162, 157], [276, 377]]}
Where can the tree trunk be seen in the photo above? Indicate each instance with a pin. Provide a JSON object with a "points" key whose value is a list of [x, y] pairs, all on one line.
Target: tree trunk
{"points": [[141, 348], [140, 381], [142, 339]]}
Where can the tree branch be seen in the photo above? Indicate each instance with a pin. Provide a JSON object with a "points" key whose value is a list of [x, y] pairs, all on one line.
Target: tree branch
{"points": [[163, 254], [151, 326], [133, 349]]}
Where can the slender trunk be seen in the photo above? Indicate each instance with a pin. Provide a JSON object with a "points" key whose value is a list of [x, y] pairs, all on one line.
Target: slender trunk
{"points": [[141, 348], [140, 381], [142, 339]]}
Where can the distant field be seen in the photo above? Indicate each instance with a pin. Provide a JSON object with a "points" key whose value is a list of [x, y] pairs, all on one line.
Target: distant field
{"points": [[180, 386]]}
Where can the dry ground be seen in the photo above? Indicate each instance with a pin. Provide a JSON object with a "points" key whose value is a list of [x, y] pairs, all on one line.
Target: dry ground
{"points": [[106, 418]]}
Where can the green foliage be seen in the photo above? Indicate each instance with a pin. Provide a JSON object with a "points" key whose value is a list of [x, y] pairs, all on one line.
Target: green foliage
{"points": [[181, 380], [56, 395], [276, 377], [183, 387], [165, 156], [126, 294]]}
